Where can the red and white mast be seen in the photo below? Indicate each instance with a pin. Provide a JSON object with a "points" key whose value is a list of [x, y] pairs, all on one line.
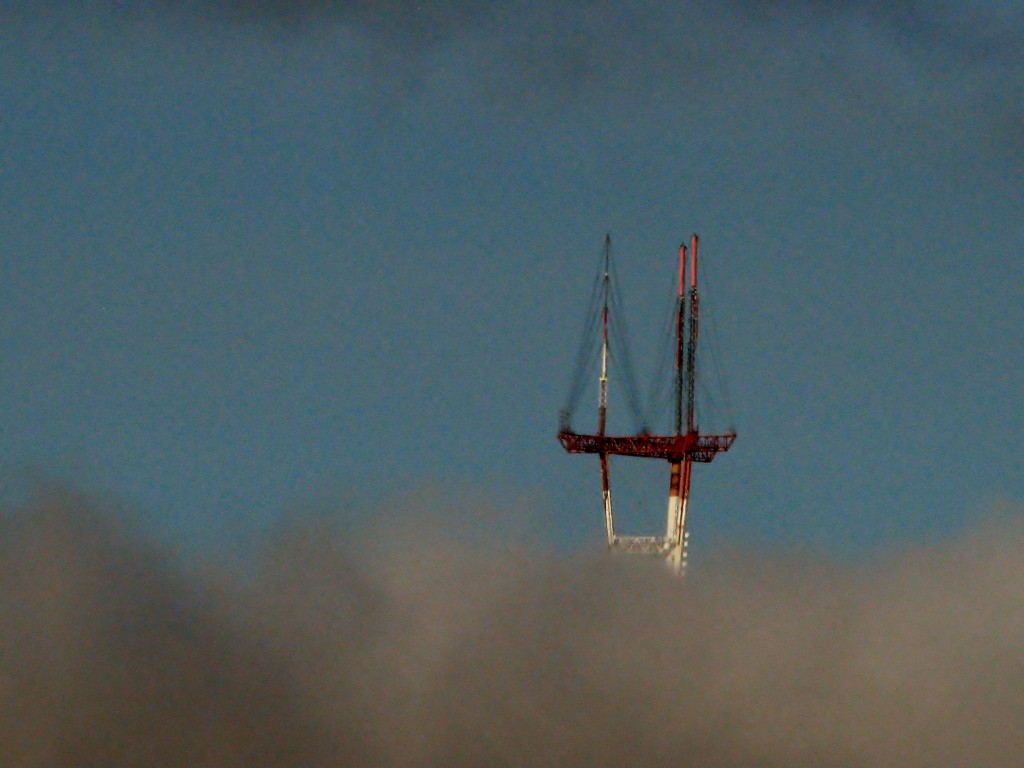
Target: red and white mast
{"points": [[679, 483], [602, 397], [681, 449]]}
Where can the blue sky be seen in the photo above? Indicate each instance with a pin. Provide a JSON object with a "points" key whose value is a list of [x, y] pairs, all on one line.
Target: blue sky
{"points": [[263, 256]]}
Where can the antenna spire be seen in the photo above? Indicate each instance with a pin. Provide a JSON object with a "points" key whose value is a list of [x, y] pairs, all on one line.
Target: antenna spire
{"points": [[602, 397], [691, 343], [680, 342]]}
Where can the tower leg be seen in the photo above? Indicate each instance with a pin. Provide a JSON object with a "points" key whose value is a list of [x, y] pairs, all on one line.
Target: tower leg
{"points": [[678, 538], [672, 521], [678, 500], [606, 495]]}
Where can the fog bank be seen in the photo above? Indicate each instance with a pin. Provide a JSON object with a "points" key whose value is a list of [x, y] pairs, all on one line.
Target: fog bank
{"points": [[334, 651]]}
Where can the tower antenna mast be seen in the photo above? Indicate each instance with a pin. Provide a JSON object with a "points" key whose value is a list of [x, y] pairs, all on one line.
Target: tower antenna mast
{"points": [[681, 449], [602, 401]]}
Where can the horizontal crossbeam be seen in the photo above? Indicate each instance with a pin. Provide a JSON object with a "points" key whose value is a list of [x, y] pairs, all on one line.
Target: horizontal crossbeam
{"points": [[643, 545], [694, 446]]}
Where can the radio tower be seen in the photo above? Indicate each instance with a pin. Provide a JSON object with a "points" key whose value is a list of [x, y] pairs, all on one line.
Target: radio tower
{"points": [[681, 450]]}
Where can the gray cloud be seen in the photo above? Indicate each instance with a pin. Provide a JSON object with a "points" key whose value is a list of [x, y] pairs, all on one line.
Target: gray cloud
{"points": [[445, 654]]}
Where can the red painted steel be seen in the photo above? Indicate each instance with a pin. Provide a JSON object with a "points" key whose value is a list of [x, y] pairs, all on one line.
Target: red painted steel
{"points": [[682, 271], [693, 446], [693, 263]]}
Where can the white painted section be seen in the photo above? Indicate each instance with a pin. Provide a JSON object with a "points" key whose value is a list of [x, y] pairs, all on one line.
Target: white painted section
{"points": [[672, 521], [609, 523], [677, 553]]}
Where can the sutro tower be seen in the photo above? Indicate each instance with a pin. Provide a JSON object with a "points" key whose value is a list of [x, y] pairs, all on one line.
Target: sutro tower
{"points": [[681, 450]]}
